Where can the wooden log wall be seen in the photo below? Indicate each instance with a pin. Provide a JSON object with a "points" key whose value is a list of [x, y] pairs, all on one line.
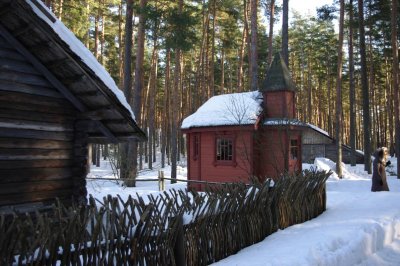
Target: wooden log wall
{"points": [[37, 145], [318, 145]]}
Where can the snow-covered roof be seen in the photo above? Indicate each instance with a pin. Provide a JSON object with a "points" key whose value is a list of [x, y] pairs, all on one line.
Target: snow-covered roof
{"points": [[294, 122], [283, 122], [228, 109], [80, 50], [319, 130], [237, 109]]}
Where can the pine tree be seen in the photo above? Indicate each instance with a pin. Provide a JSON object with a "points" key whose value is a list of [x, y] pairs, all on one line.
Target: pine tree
{"points": [[365, 90], [127, 157], [395, 78], [253, 47], [339, 169], [285, 31], [352, 95]]}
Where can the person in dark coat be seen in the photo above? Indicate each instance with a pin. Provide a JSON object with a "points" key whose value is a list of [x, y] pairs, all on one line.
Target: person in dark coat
{"points": [[379, 181]]}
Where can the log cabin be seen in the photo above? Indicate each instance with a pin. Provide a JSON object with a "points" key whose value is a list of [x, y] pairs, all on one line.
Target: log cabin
{"points": [[55, 98], [318, 143], [234, 137]]}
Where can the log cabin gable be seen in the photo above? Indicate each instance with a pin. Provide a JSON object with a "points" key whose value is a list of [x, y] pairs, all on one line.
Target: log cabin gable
{"points": [[54, 81], [70, 68]]}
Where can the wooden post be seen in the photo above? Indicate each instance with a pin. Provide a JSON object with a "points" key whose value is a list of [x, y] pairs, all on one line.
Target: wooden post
{"points": [[89, 157], [159, 180], [162, 181]]}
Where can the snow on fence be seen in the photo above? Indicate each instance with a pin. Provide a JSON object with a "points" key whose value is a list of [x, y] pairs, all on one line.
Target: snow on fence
{"points": [[175, 228]]}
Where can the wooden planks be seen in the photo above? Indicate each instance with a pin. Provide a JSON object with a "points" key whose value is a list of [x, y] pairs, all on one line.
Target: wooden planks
{"points": [[8, 52], [10, 86], [48, 163], [21, 176], [34, 103], [34, 143], [17, 66], [28, 187], [18, 198], [24, 78], [40, 109], [33, 154], [32, 115], [35, 134], [35, 125], [17, 97]]}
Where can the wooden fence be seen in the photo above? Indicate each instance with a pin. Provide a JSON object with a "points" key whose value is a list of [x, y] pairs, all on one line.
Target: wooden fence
{"points": [[176, 227]]}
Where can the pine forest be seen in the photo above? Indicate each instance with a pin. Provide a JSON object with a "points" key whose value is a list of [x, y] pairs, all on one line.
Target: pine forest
{"points": [[170, 56]]}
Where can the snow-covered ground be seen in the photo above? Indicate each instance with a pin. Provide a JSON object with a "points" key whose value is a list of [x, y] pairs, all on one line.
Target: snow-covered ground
{"points": [[359, 227], [101, 188]]}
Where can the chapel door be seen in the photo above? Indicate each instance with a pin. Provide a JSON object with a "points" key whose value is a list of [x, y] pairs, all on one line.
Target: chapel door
{"points": [[294, 154]]}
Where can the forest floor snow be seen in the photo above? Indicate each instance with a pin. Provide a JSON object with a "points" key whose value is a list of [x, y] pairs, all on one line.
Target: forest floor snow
{"points": [[358, 228]]}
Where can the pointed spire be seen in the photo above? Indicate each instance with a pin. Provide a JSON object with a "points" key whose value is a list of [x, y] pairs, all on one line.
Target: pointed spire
{"points": [[278, 77]]}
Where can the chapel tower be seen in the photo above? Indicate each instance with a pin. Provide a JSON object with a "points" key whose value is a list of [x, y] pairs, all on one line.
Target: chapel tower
{"points": [[278, 91]]}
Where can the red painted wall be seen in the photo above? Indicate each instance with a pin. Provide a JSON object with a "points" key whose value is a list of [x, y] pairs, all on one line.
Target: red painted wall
{"points": [[279, 104], [272, 152], [259, 153], [205, 167]]}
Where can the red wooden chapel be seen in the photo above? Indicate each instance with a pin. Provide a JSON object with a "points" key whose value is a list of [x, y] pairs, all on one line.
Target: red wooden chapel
{"points": [[235, 136]]}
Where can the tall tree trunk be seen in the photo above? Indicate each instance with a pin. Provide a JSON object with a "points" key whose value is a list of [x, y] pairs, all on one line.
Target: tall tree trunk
{"points": [[246, 83], [253, 50], [222, 70], [138, 84], [395, 78], [87, 35], [339, 123], [152, 98], [120, 43], [94, 156], [365, 90], [174, 98], [127, 78], [98, 155], [271, 30], [96, 36], [106, 152], [166, 110], [212, 61], [60, 9], [352, 91], [371, 85], [127, 172], [241, 51], [330, 108], [207, 72], [285, 31], [102, 32], [309, 90]]}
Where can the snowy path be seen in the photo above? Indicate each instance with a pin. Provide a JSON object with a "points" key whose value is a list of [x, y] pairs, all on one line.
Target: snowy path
{"points": [[358, 228]]}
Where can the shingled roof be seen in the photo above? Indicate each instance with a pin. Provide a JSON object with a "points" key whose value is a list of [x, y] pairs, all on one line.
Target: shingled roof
{"points": [[278, 77], [70, 67]]}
